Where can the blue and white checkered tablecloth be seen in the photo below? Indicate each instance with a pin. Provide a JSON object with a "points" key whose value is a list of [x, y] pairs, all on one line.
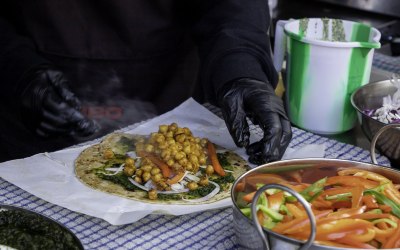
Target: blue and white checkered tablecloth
{"points": [[212, 229], [205, 230], [388, 63]]}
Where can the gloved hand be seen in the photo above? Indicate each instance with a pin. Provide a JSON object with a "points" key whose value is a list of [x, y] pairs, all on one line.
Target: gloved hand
{"points": [[256, 100], [50, 107]]}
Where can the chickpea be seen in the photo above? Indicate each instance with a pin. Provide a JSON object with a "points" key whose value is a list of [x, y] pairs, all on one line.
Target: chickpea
{"points": [[202, 160], [139, 173], [173, 127], [170, 162], [157, 178], [146, 168], [129, 162], [138, 179], [152, 194], [169, 134], [146, 176], [108, 154], [193, 159], [163, 145], [170, 141], [180, 155], [149, 148], [189, 166], [186, 149], [203, 181], [209, 170], [183, 161], [180, 138], [187, 131], [192, 185], [163, 128], [166, 153], [155, 171], [203, 142], [129, 170]]}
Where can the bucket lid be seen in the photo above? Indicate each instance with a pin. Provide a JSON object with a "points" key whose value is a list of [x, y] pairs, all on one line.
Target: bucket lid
{"points": [[333, 33]]}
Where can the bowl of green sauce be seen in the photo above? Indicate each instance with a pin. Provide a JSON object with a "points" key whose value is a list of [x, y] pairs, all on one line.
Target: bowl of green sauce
{"points": [[25, 229]]}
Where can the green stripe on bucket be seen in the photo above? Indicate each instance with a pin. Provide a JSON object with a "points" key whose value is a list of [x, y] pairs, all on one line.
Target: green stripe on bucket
{"points": [[357, 77], [298, 64], [360, 33]]}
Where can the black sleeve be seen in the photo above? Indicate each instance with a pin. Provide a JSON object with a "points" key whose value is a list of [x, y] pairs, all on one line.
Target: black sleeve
{"points": [[17, 55], [233, 41]]}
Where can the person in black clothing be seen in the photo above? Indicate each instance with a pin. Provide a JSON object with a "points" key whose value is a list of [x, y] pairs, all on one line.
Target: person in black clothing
{"points": [[139, 57]]}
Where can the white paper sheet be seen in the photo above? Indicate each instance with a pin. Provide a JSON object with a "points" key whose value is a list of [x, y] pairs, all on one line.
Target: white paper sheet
{"points": [[51, 176]]}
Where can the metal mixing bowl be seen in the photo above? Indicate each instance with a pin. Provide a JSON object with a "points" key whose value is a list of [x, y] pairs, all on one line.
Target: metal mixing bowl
{"points": [[311, 170], [370, 96]]}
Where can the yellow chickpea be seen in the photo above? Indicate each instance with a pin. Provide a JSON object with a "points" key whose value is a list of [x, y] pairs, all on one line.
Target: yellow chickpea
{"points": [[108, 154], [155, 171], [139, 173], [129, 170], [163, 128], [152, 194], [138, 179], [129, 162], [203, 181], [149, 148], [146, 176], [180, 138], [209, 170], [170, 162], [192, 185]]}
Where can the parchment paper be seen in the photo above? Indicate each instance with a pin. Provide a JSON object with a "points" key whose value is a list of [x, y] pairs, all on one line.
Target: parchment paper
{"points": [[50, 176]]}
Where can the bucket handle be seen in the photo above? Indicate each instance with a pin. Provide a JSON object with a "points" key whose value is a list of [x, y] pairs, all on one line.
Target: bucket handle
{"points": [[300, 198], [279, 44], [375, 139]]}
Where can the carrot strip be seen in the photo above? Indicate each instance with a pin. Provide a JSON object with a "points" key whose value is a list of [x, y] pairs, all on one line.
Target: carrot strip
{"points": [[249, 197], [357, 194], [214, 159], [295, 211], [391, 241], [165, 169], [176, 178], [369, 201]]}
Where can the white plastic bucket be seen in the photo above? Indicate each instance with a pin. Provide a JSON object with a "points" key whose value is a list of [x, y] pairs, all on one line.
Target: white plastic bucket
{"points": [[326, 60]]}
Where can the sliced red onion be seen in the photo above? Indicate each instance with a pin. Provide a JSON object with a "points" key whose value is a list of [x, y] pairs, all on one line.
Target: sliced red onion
{"points": [[192, 177], [138, 185], [132, 154], [185, 190], [208, 196], [115, 170]]}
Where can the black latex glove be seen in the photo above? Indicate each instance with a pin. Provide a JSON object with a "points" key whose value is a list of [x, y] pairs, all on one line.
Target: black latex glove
{"points": [[256, 100], [50, 107]]}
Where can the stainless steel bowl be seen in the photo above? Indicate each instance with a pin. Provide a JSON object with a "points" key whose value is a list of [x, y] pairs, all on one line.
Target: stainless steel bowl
{"points": [[311, 170], [370, 96]]}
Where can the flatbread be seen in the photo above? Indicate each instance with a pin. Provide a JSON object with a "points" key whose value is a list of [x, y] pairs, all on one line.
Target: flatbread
{"points": [[92, 161]]}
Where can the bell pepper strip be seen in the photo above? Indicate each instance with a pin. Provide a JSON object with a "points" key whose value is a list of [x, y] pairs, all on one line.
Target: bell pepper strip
{"points": [[165, 169], [336, 191], [369, 216], [394, 240], [314, 190], [365, 174], [246, 211], [341, 204], [249, 197], [383, 233], [274, 215], [335, 229], [343, 196], [392, 194], [295, 211], [276, 200], [214, 159], [385, 220], [240, 186], [356, 196], [369, 201], [299, 223], [382, 199], [346, 213], [331, 243], [176, 178], [351, 181], [261, 179]]}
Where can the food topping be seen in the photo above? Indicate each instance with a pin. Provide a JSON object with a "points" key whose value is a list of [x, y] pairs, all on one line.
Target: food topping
{"points": [[355, 209]]}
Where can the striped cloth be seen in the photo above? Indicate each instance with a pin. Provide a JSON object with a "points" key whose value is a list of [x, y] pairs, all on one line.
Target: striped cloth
{"points": [[205, 230]]}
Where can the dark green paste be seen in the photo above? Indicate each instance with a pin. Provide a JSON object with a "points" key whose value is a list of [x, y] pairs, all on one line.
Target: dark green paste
{"points": [[22, 230]]}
